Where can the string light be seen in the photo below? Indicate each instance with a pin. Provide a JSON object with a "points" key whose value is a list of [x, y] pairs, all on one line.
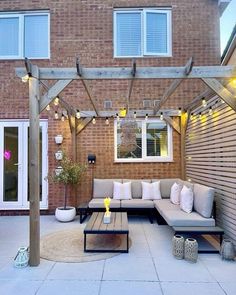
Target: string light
{"points": [[77, 114], [146, 117], [204, 103], [56, 115], [48, 107], [200, 115], [25, 78], [94, 120], [117, 117], [222, 101], [62, 117], [56, 101], [161, 116], [107, 121], [210, 110], [180, 111], [135, 115], [191, 116]]}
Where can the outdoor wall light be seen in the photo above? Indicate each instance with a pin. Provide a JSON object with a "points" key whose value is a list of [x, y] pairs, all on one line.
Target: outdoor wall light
{"points": [[91, 159]]}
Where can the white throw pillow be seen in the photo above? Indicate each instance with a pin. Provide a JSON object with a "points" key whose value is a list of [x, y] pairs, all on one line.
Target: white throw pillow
{"points": [[186, 199], [122, 191], [175, 193], [151, 191]]}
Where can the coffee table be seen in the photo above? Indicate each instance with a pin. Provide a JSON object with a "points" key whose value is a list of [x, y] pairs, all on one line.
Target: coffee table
{"points": [[118, 225]]}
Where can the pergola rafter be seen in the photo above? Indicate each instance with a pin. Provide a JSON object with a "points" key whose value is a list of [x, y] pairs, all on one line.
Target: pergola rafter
{"points": [[65, 76]]}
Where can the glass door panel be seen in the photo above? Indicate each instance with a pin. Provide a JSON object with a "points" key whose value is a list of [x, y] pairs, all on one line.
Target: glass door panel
{"points": [[11, 162]]}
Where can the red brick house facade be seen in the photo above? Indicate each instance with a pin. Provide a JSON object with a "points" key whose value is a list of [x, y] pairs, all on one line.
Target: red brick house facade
{"points": [[85, 29]]}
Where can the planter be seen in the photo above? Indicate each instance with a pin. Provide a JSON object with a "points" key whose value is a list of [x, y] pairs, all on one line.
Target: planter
{"points": [[191, 250], [59, 155], [58, 170], [227, 250], [65, 215], [58, 139], [178, 246]]}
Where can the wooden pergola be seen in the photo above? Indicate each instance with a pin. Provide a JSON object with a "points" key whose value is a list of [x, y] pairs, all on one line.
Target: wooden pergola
{"points": [[210, 75]]}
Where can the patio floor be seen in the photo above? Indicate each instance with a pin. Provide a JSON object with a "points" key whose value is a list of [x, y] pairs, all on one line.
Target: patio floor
{"points": [[148, 268]]}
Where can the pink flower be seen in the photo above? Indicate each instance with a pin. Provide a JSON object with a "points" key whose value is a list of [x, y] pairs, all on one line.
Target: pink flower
{"points": [[7, 155]]}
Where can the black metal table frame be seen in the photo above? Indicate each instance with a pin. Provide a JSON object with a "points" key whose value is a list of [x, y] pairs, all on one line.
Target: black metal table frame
{"points": [[106, 250], [204, 232]]}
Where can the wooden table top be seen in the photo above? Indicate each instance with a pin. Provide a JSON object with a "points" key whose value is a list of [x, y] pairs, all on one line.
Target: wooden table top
{"points": [[118, 225]]}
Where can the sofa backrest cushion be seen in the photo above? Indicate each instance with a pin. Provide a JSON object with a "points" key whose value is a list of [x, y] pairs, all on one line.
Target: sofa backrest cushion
{"points": [[103, 187], [122, 191], [166, 185], [136, 187], [203, 199]]}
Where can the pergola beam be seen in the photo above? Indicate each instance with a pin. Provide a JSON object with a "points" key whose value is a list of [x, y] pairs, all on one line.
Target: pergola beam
{"points": [[172, 123], [174, 85], [53, 92], [83, 123], [141, 73], [133, 73], [221, 91]]}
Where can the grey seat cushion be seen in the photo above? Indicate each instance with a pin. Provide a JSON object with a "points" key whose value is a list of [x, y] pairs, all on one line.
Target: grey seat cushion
{"points": [[165, 204], [136, 187], [98, 203], [203, 199], [181, 218], [165, 186], [136, 203], [103, 187]]}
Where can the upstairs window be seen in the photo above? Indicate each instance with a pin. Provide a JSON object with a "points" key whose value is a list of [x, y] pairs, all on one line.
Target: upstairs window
{"points": [[153, 142], [24, 35], [142, 32]]}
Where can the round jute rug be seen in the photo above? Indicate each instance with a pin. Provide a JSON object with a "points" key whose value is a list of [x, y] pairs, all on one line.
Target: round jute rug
{"points": [[68, 246]]}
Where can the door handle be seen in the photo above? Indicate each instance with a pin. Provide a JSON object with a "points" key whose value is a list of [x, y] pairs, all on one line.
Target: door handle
{"points": [[16, 164]]}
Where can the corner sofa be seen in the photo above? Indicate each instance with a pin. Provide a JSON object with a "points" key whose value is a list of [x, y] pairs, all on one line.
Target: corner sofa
{"points": [[166, 211]]}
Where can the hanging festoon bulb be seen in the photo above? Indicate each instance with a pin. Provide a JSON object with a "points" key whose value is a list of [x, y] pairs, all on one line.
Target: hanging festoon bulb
{"points": [[77, 114], [56, 115], [135, 115], [146, 117], [94, 120], [204, 103], [25, 78], [62, 118], [117, 117], [180, 111], [210, 110], [200, 115], [161, 116], [191, 116], [48, 107], [107, 121], [56, 101]]}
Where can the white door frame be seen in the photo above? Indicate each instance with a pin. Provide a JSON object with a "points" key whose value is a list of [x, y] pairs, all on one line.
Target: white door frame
{"points": [[22, 202]]}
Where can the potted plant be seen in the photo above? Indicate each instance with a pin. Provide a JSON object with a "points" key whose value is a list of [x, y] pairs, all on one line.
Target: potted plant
{"points": [[69, 175]]}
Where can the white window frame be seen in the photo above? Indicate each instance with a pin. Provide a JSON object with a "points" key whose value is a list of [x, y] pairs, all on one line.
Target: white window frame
{"points": [[144, 52], [146, 158], [21, 45]]}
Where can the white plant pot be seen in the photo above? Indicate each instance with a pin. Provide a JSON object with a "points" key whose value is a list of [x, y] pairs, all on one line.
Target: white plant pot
{"points": [[65, 215], [59, 155], [58, 170], [58, 139]]}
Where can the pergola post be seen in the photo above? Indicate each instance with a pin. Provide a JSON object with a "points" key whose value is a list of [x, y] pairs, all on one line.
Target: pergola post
{"points": [[183, 127], [34, 175]]}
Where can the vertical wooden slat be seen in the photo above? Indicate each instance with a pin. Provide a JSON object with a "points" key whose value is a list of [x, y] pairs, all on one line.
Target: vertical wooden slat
{"points": [[183, 126], [34, 175]]}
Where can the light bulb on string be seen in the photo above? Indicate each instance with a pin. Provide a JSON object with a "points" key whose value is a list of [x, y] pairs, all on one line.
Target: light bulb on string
{"points": [[56, 115], [62, 118], [146, 117], [180, 111], [200, 115], [210, 110], [94, 120], [48, 107], [191, 116], [117, 117], [135, 115], [107, 121], [56, 101], [25, 78], [161, 116], [77, 114], [204, 103]]}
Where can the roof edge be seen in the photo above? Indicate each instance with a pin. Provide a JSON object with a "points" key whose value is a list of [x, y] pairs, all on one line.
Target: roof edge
{"points": [[230, 47]]}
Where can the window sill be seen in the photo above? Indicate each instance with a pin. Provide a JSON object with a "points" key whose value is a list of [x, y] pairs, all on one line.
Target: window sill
{"points": [[143, 161], [22, 58], [144, 56]]}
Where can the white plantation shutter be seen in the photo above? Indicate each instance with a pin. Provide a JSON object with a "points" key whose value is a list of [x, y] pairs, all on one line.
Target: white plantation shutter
{"points": [[36, 36], [128, 34], [9, 36], [156, 32]]}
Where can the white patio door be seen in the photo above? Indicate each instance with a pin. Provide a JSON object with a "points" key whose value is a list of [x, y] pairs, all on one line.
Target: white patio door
{"points": [[14, 188]]}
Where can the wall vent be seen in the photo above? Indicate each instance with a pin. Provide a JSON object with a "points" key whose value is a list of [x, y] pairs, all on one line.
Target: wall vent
{"points": [[147, 103], [107, 104]]}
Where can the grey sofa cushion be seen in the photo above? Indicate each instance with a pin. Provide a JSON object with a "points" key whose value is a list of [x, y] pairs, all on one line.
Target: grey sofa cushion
{"points": [[137, 203], [166, 185], [203, 199], [181, 218], [98, 203], [136, 187], [103, 187], [164, 205]]}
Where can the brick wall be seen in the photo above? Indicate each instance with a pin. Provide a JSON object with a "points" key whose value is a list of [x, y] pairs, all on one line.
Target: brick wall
{"points": [[84, 28]]}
